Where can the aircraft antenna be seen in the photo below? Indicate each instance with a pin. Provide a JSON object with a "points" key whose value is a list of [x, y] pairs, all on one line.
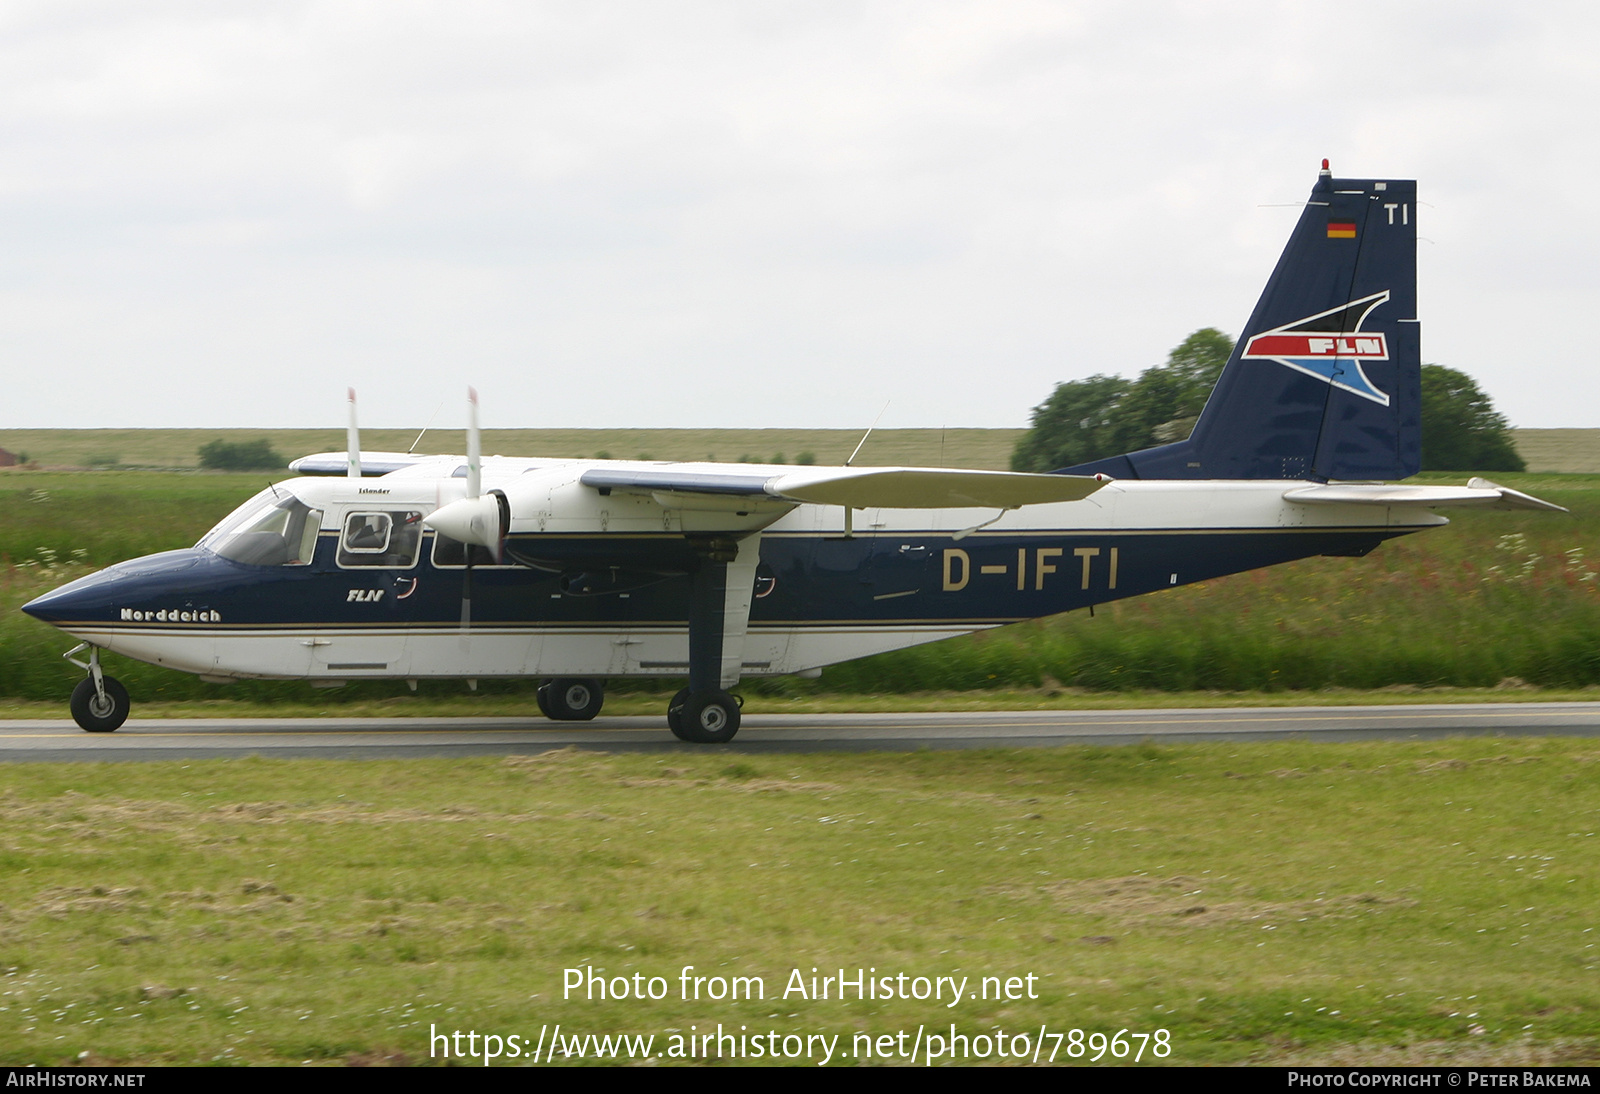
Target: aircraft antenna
{"points": [[965, 532], [868, 433], [431, 419]]}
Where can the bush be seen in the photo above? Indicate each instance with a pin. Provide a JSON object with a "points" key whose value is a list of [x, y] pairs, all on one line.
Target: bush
{"points": [[1087, 420], [1461, 430], [242, 456]]}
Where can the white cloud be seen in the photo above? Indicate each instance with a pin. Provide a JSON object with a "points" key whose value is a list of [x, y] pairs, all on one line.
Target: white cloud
{"points": [[749, 213]]}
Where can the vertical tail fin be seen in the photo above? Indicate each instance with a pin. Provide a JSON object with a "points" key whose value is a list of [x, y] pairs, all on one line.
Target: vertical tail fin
{"points": [[1325, 382]]}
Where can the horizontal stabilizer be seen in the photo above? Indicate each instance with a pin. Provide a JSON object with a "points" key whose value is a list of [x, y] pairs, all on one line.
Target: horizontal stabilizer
{"points": [[860, 488], [1477, 494], [372, 463]]}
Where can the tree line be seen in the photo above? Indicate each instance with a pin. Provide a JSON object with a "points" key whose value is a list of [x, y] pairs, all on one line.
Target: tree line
{"points": [[1102, 415]]}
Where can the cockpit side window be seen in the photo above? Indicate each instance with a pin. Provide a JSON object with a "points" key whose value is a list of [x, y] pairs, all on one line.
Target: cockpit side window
{"points": [[274, 528], [388, 538]]}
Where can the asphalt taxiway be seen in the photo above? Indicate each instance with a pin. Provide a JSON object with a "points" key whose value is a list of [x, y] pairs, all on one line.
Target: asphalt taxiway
{"points": [[370, 738]]}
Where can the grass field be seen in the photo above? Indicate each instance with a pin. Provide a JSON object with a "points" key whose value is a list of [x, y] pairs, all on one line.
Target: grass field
{"points": [[1356, 903], [1545, 450], [179, 448], [1504, 600], [1567, 450]]}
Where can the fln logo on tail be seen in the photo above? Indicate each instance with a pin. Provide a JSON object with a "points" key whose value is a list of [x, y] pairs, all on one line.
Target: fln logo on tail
{"points": [[1329, 346]]}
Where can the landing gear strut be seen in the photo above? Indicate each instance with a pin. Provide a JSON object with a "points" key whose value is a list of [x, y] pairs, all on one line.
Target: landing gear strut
{"points": [[719, 616], [571, 699], [99, 703]]}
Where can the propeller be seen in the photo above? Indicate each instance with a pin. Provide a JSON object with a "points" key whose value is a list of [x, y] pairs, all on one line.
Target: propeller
{"points": [[477, 520]]}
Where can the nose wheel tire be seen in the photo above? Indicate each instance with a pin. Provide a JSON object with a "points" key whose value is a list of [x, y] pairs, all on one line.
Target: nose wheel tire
{"points": [[571, 699], [97, 715], [708, 718]]}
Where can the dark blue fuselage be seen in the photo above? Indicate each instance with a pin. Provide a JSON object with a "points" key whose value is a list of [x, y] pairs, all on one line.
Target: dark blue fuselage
{"points": [[803, 580]]}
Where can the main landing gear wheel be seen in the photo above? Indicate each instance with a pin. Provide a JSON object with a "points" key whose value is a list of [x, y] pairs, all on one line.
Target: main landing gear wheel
{"points": [[709, 718], [571, 699], [99, 715]]}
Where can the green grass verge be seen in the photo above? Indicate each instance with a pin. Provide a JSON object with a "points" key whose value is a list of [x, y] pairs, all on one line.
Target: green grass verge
{"points": [[1366, 902]]}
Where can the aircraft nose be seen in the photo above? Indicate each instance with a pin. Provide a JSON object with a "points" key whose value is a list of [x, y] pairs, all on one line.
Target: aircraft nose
{"points": [[75, 601], [99, 597]]}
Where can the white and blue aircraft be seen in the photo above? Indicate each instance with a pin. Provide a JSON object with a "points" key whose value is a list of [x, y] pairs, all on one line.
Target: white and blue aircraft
{"points": [[583, 571]]}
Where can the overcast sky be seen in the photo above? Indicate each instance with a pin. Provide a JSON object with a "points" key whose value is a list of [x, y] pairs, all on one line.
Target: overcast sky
{"points": [[752, 213]]}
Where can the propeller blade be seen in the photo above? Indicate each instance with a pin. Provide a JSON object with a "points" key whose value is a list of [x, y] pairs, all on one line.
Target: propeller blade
{"points": [[474, 447], [352, 442]]}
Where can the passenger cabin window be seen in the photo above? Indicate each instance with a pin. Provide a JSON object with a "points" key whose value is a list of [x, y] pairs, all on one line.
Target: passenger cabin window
{"points": [[271, 529], [381, 539]]}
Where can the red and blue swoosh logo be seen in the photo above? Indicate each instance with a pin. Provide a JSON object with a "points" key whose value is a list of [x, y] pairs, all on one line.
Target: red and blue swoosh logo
{"points": [[1329, 345]]}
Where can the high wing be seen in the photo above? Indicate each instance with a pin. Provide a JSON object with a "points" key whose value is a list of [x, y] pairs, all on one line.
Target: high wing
{"points": [[1477, 494], [717, 498], [857, 488]]}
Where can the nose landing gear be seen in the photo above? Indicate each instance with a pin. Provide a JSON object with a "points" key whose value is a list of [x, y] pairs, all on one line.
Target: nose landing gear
{"points": [[99, 703]]}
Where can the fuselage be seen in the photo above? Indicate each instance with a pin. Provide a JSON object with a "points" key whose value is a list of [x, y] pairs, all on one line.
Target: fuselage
{"points": [[339, 579]]}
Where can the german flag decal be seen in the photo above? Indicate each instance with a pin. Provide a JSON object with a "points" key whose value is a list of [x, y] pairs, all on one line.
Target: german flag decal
{"points": [[1341, 229]]}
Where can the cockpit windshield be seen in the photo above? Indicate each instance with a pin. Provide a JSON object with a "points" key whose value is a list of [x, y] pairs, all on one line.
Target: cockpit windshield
{"points": [[274, 528]]}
